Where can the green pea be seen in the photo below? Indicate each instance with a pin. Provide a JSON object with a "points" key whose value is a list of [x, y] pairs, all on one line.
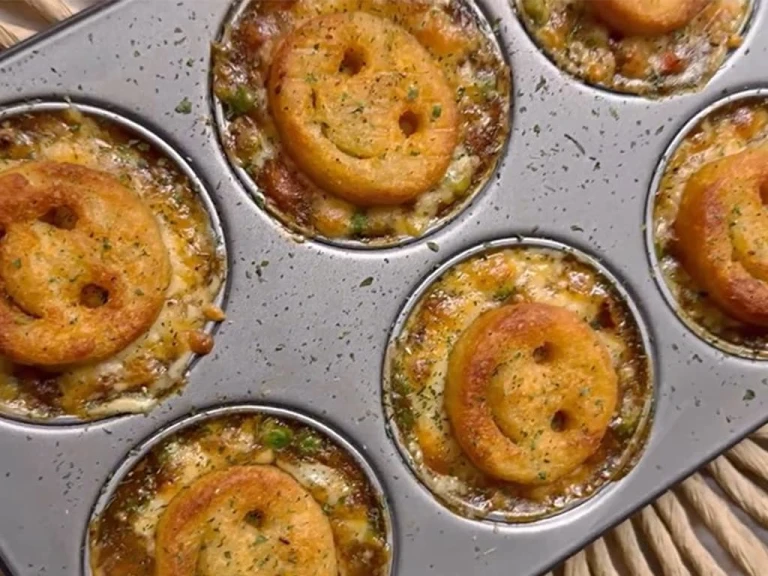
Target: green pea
{"points": [[537, 10], [309, 444], [359, 223], [278, 437], [240, 102], [627, 426]]}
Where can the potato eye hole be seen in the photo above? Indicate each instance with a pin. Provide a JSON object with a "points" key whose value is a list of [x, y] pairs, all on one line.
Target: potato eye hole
{"points": [[254, 518], [62, 217], [352, 62], [560, 421], [409, 123], [93, 296], [544, 353]]}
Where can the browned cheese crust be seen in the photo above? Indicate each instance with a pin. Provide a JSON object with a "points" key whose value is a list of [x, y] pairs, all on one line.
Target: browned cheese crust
{"points": [[108, 269], [64, 222], [519, 384], [652, 47], [366, 120], [243, 494], [710, 228]]}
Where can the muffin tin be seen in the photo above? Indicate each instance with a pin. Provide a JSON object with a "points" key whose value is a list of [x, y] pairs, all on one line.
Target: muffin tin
{"points": [[308, 323]]}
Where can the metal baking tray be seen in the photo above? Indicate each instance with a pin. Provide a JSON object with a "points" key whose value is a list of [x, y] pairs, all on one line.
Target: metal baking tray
{"points": [[309, 331]]}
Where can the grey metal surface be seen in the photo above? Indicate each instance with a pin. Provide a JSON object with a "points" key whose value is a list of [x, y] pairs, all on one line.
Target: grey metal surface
{"points": [[305, 331]]}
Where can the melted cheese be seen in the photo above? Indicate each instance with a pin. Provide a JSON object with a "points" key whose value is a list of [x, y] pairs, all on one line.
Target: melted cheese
{"points": [[137, 377], [327, 484], [183, 460], [467, 56], [420, 363], [727, 131]]}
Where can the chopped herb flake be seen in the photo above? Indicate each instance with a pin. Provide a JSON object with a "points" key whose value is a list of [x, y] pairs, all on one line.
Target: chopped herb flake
{"points": [[358, 223], [184, 107], [240, 102]]}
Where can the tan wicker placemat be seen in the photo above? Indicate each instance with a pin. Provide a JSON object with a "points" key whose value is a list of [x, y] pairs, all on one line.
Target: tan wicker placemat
{"points": [[713, 524]]}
